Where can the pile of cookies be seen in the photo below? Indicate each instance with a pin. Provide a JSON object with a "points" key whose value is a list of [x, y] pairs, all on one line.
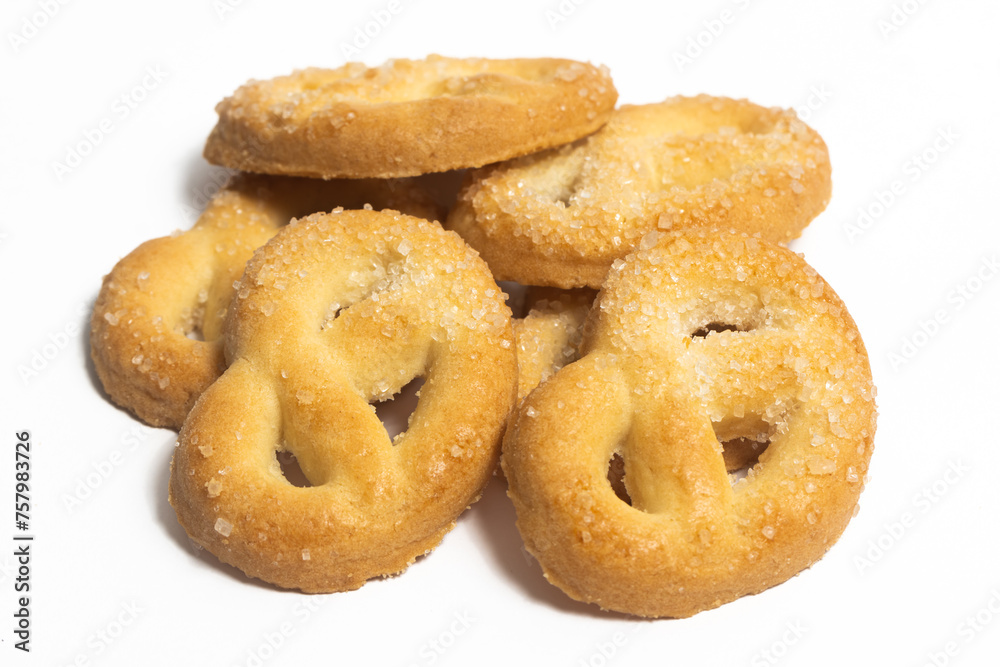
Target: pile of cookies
{"points": [[697, 430]]}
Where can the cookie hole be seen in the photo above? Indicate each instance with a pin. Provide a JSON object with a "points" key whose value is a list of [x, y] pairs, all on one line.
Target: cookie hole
{"points": [[360, 284], [715, 327], [616, 477], [565, 198], [395, 412], [515, 295], [741, 455], [743, 441], [566, 194], [333, 311], [291, 470], [722, 312], [559, 177], [192, 322]]}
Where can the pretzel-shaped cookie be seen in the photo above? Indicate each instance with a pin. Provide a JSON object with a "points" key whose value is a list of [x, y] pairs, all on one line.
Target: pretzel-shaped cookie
{"points": [[408, 117], [697, 337], [166, 293], [549, 336], [337, 311], [562, 217]]}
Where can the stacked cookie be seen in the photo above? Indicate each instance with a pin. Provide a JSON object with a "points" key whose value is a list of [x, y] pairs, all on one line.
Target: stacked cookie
{"points": [[695, 432]]}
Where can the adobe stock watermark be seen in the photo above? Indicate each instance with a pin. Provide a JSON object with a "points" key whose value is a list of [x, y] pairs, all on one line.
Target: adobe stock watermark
{"points": [[100, 471], [433, 649], [817, 98], [911, 171], [123, 106], [558, 14], [8, 568], [712, 29], [972, 626], [104, 637], [270, 642], [606, 652], [40, 358], [32, 23], [921, 504], [956, 299], [223, 8], [203, 194], [899, 16], [780, 647], [364, 34]]}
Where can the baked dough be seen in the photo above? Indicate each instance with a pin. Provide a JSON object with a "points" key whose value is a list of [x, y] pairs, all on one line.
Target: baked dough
{"points": [[696, 337], [561, 217], [333, 314], [408, 117], [155, 334]]}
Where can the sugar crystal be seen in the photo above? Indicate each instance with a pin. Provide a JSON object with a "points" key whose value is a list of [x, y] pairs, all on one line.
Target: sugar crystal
{"points": [[223, 527]]}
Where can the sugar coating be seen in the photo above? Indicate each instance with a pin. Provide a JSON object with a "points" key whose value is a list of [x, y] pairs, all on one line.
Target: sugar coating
{"points": [[548, 336], [697, 340], [214, 488], [325, 122], [563, 216], [430, 286], [223, 527], [410, 300], [157, 324]]}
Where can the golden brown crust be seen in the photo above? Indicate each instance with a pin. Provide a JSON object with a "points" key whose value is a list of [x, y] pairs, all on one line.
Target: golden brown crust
{"points": [[368, 302], [697, 336], [548, 336], [561, 217], [408, 117], [174, 286]]}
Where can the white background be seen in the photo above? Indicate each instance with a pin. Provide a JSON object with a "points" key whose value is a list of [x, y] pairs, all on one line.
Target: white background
{"points": [[887, 593]]}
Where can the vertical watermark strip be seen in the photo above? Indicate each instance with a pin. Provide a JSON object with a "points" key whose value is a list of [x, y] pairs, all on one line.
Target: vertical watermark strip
{"points": [[23, 540]]}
